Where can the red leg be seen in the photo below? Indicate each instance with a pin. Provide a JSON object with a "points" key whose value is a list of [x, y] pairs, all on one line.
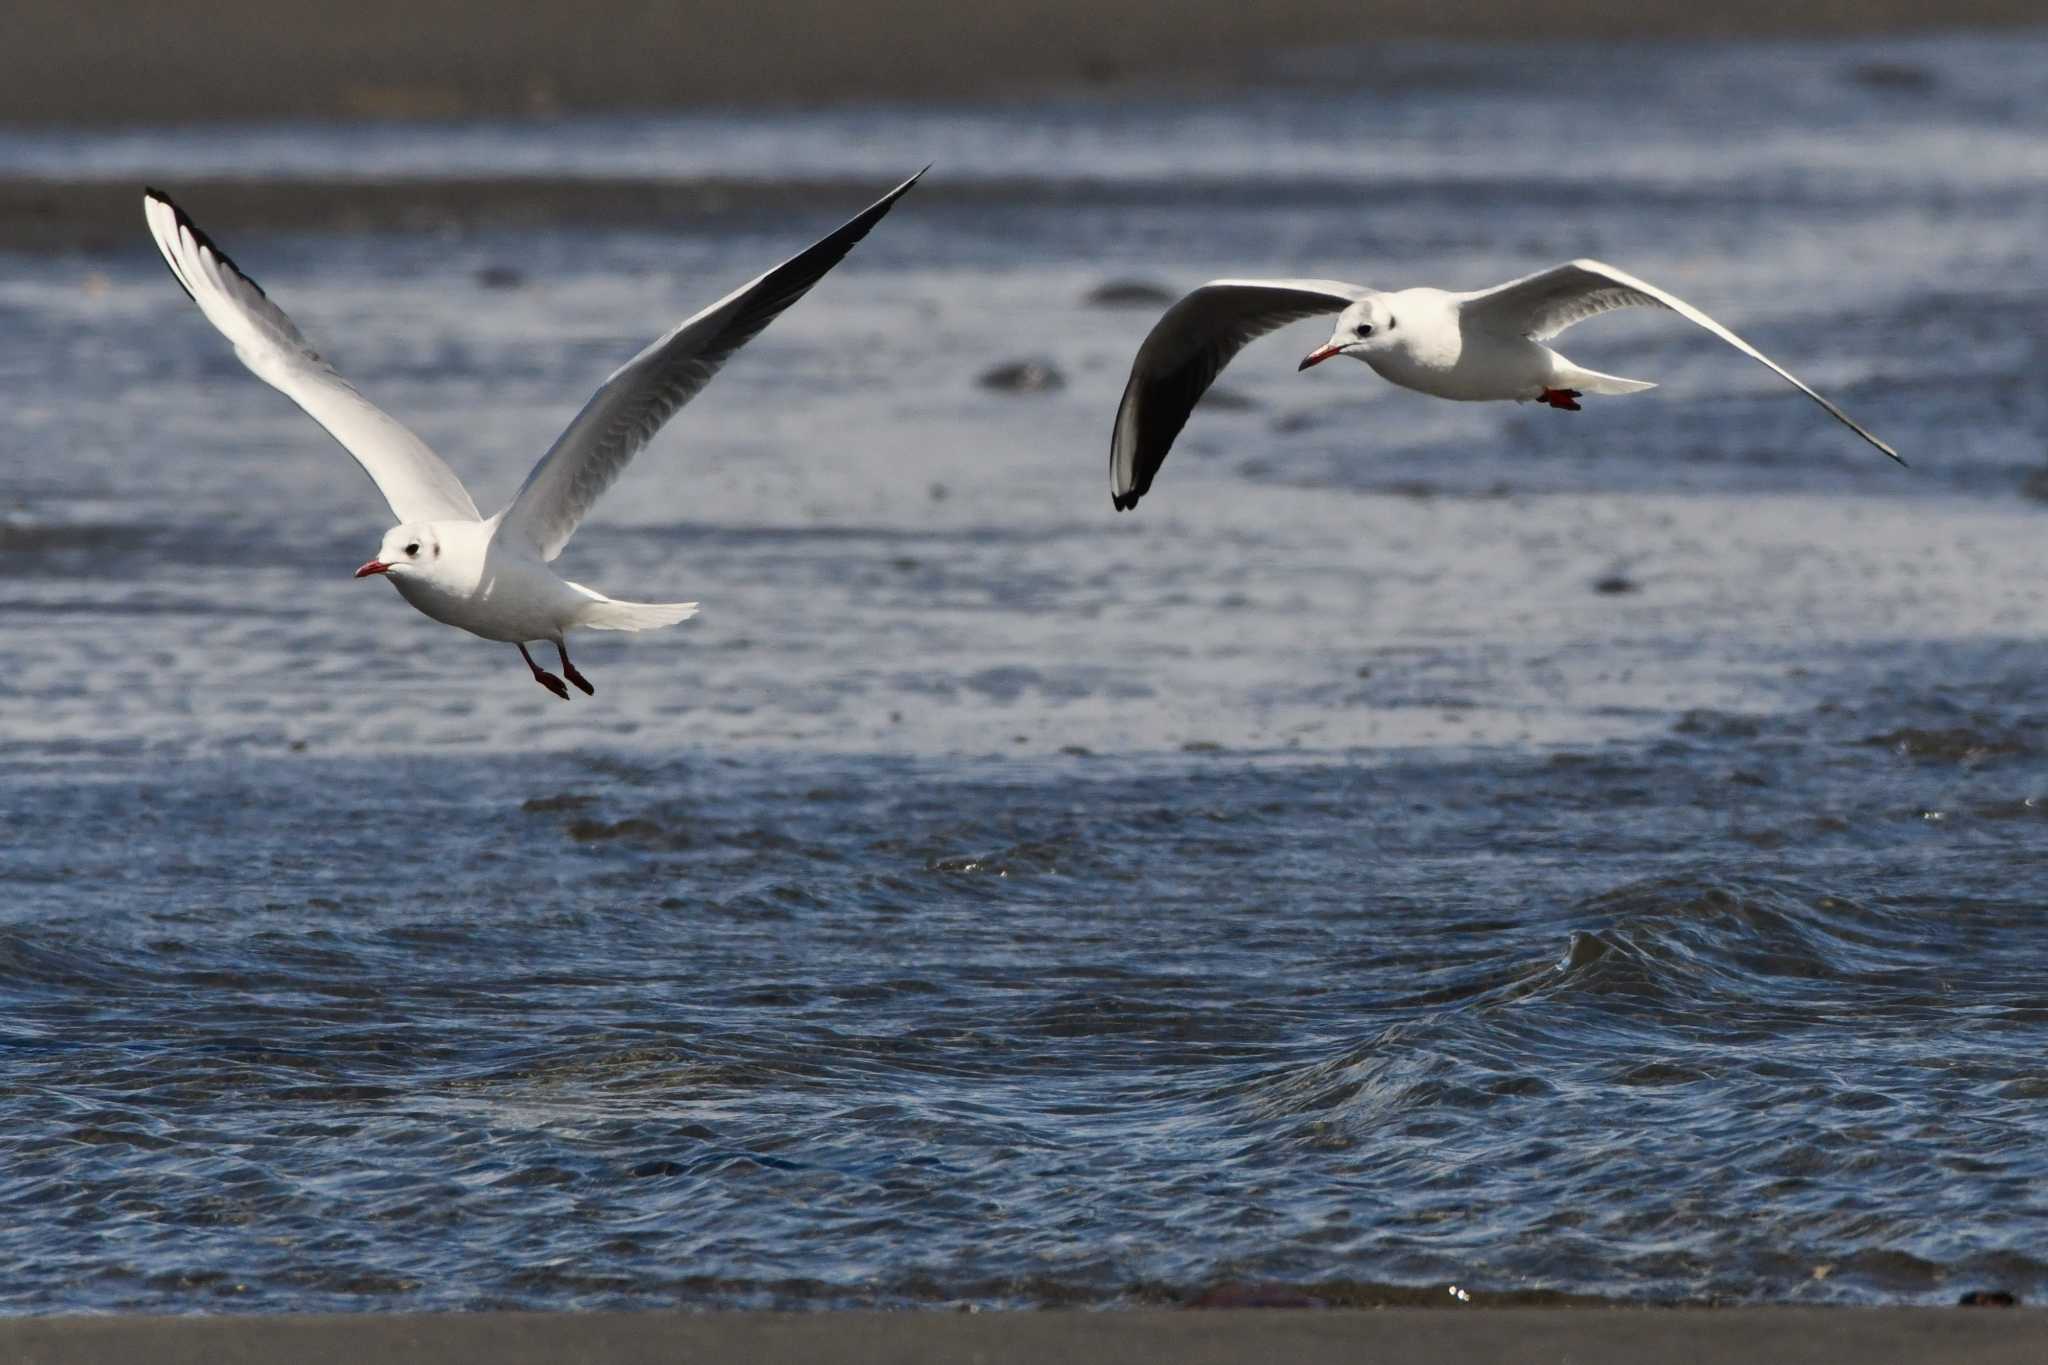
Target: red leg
{"points": [[543, 677], [1567, 399], [569, 672]]}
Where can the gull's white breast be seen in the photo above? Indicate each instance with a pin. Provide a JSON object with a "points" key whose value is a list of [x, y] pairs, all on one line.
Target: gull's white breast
{"points": [[1435, 353], [480, 586]]}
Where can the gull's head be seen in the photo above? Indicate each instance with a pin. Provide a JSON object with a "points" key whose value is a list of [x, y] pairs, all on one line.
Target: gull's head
{"points": [[407, 550], [1364, 327]]}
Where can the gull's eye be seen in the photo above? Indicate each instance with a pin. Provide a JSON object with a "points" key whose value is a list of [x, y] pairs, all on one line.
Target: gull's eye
{"points": [[413, 548], [1365, 329]]}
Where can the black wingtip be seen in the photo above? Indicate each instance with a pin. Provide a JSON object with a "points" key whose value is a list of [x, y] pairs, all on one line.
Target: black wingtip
{"points": [[907, 186], [178, 215], [1123, 502], [206, 243], [151, 192], [857, 227]]}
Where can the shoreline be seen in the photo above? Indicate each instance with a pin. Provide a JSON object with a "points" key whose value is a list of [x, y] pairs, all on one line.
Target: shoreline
{"points": [[57, 216], [436, 59], [1444, 1336]]}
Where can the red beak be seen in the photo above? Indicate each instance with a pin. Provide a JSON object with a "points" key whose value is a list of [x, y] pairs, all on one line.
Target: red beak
{"points": [[374, 566], [1318, 356]]}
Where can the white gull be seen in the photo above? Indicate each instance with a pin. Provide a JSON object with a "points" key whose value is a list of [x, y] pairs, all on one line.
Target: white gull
{"points": [[490, 577], [1482, 346]]}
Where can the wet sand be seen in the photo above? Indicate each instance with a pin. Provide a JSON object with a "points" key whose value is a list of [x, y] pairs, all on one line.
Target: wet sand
{"points": [[106, 61], [1785, 1336], [96, 215]]}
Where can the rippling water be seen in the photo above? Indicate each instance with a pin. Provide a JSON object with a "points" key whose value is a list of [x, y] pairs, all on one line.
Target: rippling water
{"points": [[1426, 843]]}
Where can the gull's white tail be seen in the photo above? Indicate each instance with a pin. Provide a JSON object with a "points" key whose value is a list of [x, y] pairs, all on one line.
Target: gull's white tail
{"points": [[605, 614], [1570, 376]]}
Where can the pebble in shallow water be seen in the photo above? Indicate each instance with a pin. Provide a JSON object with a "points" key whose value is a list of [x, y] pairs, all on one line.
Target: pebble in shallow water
{"points": [[1023, 376], [1129, 294]]}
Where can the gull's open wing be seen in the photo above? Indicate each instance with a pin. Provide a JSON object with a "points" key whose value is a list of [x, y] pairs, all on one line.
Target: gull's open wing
{"points": [[1542, 305], [1185, 351], [623, 415], [412, 478]]}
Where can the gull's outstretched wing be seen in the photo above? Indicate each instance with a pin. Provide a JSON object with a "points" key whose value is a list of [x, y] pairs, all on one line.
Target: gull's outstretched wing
{"points": [[1540, 306], [623, 415], [411, 477], [1185, 351]]}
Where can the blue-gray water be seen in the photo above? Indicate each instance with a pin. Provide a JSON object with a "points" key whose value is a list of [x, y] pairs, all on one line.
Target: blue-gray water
{"points": [[1424, 844]]}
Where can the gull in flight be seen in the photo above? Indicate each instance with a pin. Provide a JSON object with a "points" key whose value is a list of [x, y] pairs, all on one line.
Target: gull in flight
{"points": [[1478, 347], [490, 576]]}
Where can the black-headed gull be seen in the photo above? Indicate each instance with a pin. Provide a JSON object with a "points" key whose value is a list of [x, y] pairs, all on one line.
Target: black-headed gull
{"points": [[490, 576], [1477, 347]]}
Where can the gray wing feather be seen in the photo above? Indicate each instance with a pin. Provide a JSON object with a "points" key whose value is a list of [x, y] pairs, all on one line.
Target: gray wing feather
{"points": [[631, 405], [1540, 306], [413, 479], [1185, 351]]}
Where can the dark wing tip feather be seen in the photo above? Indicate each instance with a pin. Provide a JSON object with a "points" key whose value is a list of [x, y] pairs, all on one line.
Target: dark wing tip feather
{"points": [[1164, 403], [794, 278], [198, 233], [152, 193]]}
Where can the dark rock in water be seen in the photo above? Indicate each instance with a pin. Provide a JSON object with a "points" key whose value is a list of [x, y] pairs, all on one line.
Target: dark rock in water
{"points": [[500, 277], [1614, 585], [1129, 294], [563, 801], [1023, 376], [1255, 1296], [1989, 1298], [592, 831], [1891, 77], [1717, 725]]}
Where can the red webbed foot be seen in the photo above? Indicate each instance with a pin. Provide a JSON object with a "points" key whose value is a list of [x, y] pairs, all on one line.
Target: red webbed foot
{"points": [[1566, 399], [545, 678], [569, 672]]}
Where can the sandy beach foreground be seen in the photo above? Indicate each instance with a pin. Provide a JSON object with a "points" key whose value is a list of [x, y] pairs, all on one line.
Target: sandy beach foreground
{"points": [[1784, 1336]]}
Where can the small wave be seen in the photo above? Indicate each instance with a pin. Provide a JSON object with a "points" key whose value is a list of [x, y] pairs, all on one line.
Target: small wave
{"points": [[1037, 858], [1692, 938], [1955, 744]]}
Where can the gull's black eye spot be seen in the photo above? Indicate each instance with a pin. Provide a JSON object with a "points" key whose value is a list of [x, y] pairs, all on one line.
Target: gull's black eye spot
{"points": [[1365, 329], [413, 548]]}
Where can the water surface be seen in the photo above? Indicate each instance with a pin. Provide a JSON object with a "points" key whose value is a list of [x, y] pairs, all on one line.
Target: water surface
{"points": [[1426, 843]]}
